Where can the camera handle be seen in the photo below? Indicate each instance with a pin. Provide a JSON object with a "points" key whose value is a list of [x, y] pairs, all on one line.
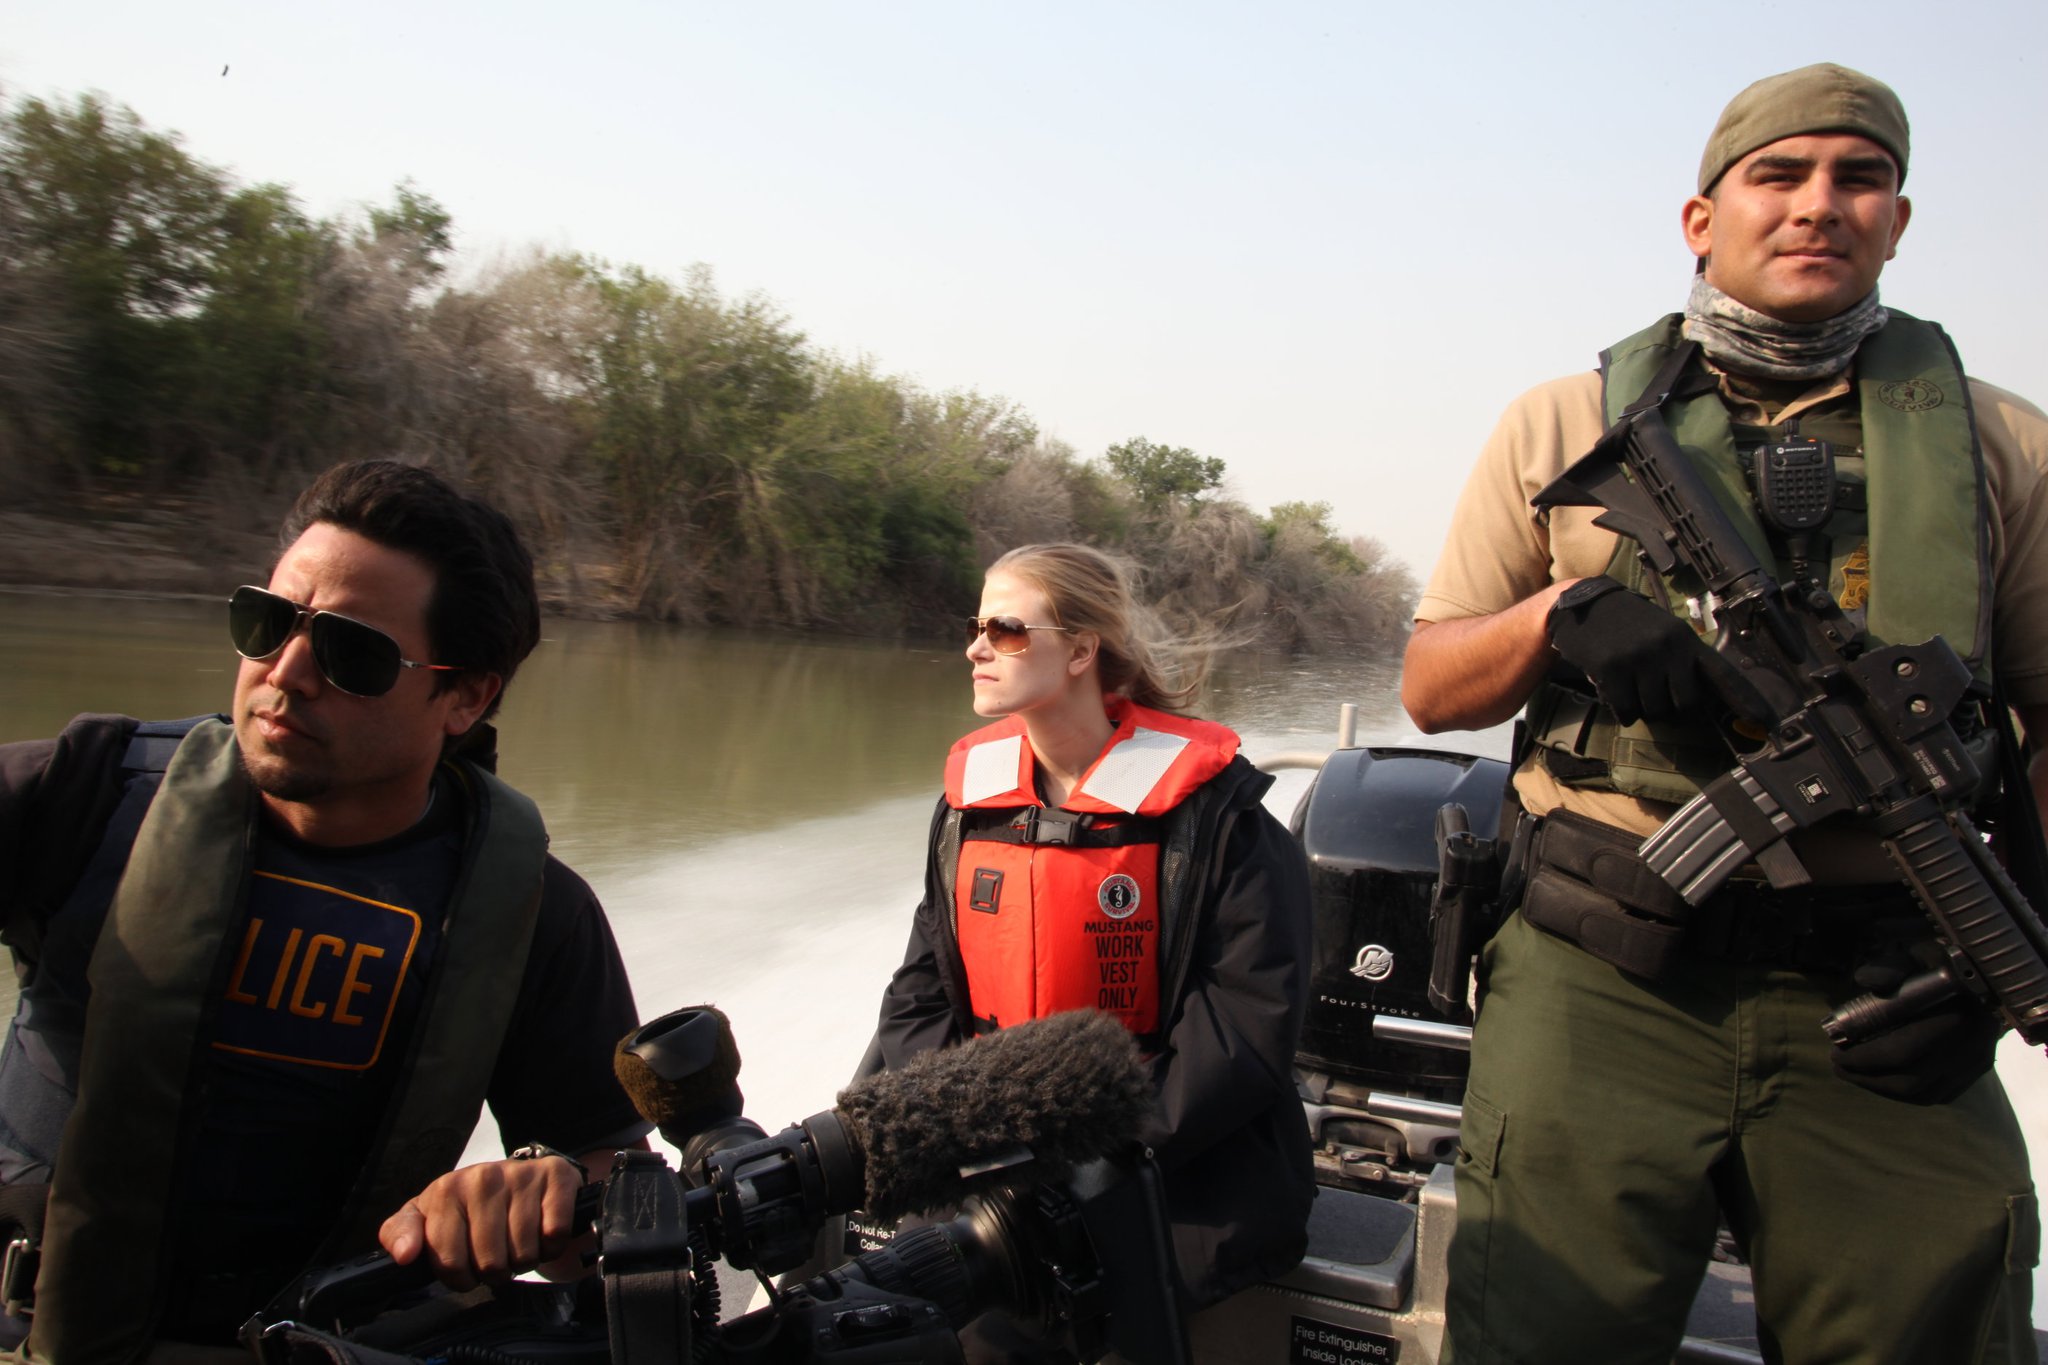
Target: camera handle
{"points": [[649, 1261]]}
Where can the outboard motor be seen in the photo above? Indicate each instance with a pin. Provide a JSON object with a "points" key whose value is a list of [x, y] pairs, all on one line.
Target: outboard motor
{"points": [[1382, 1065]]}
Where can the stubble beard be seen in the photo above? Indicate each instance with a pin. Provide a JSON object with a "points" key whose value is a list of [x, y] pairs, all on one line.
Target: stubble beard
{"points": [[280, 781]]}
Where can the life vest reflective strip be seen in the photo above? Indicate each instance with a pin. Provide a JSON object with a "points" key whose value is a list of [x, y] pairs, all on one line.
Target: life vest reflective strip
{"points": [[157, 970], [1928, 560], [1059, 909]]}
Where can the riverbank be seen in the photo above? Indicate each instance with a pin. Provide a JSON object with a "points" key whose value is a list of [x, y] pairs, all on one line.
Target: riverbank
{"points": [[124, 543], [872, 570]]}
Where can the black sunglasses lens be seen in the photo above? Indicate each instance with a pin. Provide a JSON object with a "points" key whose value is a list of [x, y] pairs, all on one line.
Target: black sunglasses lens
{"points": [[259, 622], [354, 657]]}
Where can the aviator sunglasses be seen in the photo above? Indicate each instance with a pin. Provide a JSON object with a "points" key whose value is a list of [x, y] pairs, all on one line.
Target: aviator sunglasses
{"points": [[360, 660], [1006, 634]]}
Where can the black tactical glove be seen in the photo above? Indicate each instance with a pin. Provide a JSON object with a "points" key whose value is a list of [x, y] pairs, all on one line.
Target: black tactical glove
{"points": [[1928, 1060], [1646, 663]]}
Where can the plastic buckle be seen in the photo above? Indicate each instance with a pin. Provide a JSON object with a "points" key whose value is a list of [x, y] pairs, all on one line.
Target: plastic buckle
{"points": [[18, 1267], [1045, 825]]}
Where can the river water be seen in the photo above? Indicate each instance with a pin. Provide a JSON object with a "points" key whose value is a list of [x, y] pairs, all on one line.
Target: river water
{"points": [[751, 809]]}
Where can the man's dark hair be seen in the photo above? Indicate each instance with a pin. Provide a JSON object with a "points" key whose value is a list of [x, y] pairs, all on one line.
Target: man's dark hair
{"points": [[485, 612]]}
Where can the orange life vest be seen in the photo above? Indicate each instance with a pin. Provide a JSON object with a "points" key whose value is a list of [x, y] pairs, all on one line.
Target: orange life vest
{"points": [[1058, 908]]}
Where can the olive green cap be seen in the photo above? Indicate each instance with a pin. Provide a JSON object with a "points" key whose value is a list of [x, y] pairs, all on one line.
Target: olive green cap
{"points": [[1823, 98]]}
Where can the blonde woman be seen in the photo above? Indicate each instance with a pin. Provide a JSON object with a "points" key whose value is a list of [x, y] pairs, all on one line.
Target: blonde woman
{"points": [[1097, 848]]}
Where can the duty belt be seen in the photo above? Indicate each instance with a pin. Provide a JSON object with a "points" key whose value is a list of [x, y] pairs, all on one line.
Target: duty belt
{"points": [[1812, 929], [1587, 885]]}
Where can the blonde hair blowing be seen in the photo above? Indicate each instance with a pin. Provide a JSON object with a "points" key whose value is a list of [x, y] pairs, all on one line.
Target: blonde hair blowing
{"points": [[1091, 590]]}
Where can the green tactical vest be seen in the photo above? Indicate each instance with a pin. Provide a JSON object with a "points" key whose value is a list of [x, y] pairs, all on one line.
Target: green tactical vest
{"points": [[1915, 501], [157, 970]]}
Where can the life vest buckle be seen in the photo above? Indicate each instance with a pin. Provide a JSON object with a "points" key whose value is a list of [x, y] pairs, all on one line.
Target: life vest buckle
{"points": [[18, 1267], [1045, 825]]}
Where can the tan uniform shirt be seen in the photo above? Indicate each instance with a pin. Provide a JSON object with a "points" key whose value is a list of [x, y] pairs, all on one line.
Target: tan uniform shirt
{"points": [[1500, 550]]}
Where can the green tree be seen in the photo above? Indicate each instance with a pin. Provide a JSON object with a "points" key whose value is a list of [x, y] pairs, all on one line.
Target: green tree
{"points": [[685, 394], [36, 344], [132, 219], [670, 453], [125, 226], [1160, 475], [1305, 526], [421, 227], [255, 368]]}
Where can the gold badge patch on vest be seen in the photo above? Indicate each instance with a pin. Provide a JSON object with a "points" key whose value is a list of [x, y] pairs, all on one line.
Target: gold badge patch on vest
{"points": [[317, 975], [1855, 588]]}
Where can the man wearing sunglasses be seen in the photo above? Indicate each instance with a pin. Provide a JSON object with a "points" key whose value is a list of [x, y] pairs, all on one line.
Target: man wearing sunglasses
{"points": [[270, 980]]}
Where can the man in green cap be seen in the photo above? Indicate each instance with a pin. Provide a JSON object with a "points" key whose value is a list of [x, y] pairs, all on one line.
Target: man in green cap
{"points": [[1643, 1070]]}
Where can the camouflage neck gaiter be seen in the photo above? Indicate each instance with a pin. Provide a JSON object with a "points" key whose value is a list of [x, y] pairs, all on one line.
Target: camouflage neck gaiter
{"points": [[1739, 338]]}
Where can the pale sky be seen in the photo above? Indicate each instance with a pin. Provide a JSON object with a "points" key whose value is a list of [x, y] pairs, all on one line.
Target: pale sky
{"points": [[1325, 242]]}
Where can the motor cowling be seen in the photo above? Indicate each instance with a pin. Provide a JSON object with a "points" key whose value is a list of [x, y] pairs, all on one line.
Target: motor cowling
{"points": [[1368, 826]]}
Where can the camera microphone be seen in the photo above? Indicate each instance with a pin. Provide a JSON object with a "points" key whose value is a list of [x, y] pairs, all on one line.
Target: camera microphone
{"points": [[1024, 1103], [1069, 1088]]}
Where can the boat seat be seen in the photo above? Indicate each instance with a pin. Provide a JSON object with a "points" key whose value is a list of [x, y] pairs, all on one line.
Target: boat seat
{"points": [[1361, 1249]]}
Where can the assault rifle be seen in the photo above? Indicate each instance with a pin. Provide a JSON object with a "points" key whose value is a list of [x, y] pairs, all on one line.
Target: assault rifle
{"points": [[1861, 733]]}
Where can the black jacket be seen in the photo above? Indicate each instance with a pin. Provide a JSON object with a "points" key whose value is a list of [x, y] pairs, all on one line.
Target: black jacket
{"points": [[1227, 1130]]}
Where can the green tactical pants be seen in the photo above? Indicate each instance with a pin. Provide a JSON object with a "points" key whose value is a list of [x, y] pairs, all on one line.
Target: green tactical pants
{"points": [[1608, 1125]]}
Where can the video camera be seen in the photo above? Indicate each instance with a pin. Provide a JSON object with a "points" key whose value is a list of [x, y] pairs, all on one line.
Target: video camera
{"points": [[1084, 1260], [1060, 1226]]}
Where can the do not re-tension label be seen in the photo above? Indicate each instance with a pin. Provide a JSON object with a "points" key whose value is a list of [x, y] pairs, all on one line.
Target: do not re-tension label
{"points": [[1326, 1343]]}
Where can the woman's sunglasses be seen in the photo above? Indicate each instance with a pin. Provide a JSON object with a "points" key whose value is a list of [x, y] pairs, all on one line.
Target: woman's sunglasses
{"points": [[1006, 634], [360, 660]]}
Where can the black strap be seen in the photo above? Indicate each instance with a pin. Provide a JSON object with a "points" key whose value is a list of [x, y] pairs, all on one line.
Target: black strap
{"points": [[1049, 826], [1588, 886], [2019, 816], [154, 743], [58, 819], [1605, 858], [1736, 806], [648, 1316], [1665, 385], [645, 1233]]}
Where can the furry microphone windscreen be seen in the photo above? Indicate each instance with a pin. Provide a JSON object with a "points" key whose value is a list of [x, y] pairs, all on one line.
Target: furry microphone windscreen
{"points": [[1071, 1088]]}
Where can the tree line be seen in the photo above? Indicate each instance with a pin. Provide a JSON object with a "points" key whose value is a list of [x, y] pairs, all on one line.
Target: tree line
{"points": [[670, 453]]}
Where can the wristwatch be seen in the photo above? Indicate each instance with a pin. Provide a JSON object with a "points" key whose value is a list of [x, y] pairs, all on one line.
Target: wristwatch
{"points": [[534, 1151]]}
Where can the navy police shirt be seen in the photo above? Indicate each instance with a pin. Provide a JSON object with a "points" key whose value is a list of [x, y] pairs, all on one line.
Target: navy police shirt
{"points": [[311, 1031]]}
